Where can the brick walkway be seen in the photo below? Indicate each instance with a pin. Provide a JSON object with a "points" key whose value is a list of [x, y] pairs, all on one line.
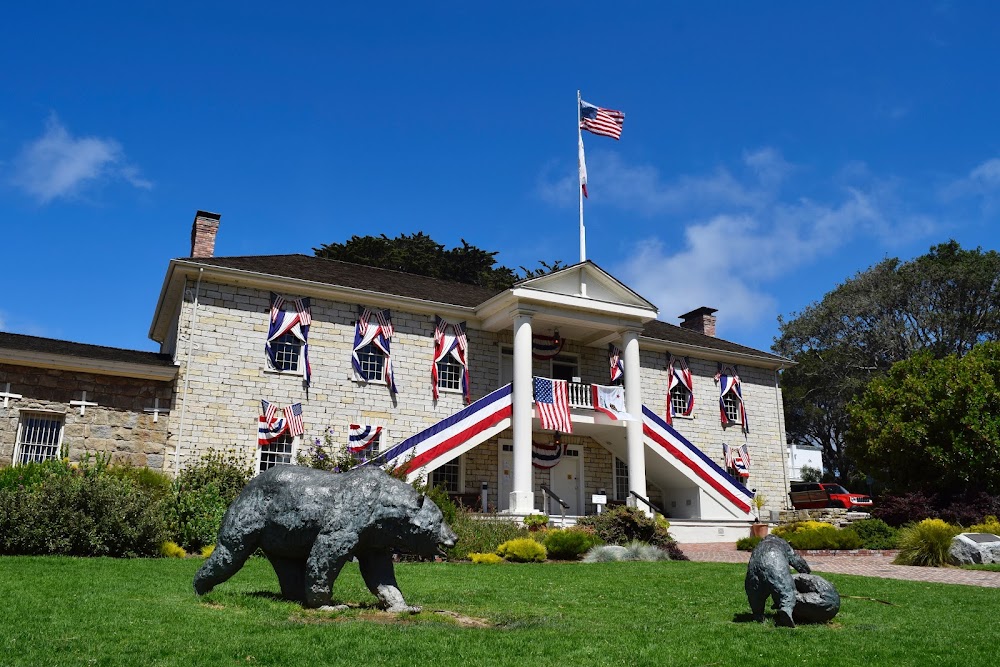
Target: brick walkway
{"points": [[868, 565]]}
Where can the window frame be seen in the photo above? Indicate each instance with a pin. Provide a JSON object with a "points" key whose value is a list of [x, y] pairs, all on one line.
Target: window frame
{"points": [[730, 402], [287, 340], [371, 351], [567, 360], [25, 415], [459, 462], [293, 443], [620, 477], [447, 368], [678, 410]]}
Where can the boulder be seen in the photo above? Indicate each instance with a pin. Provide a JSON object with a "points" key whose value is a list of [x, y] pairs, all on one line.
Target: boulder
{"points": [[975, 548], [816, 600]]}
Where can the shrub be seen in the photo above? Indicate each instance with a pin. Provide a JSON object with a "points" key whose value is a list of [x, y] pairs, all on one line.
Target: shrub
{"points": [[899, 510], [481, 535], [990, 524], [485, 559], [824, 537], [207, 550], [969, 509], [569, 544], [875, 534], [31, 474], [82, 511], [786, 529], [536, 521], [522, 550], [172, 550], [925, 543], [633, 551], [200, 496], [622, 524], [748, 543]]}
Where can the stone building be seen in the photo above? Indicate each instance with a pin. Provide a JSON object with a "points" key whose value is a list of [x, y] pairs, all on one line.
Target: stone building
{"points": [[483, 438]]}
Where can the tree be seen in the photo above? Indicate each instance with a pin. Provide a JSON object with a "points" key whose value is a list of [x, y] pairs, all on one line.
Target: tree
{"points": [[932, 424], [420, 254], [944, 302]]}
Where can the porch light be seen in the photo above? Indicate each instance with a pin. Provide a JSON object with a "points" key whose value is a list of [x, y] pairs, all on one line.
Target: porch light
{"points": [[557, 439], [555, 335]]}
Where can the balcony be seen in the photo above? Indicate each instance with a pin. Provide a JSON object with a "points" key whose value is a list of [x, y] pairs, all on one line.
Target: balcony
{"points": [[580, 395]]}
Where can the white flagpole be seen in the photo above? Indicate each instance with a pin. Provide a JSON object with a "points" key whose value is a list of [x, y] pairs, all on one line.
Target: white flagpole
{"points": [[583, 231]]}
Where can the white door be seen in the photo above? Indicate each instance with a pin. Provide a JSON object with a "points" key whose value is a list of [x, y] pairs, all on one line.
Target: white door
{"points": [[505, 474], [564, 480]]}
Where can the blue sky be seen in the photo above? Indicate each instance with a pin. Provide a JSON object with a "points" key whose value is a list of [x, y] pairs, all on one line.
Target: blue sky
{"points": [[770, 150]]}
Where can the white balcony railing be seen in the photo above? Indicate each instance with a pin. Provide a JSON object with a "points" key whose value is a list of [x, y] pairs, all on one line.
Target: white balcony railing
{"points": [[580, 395]]}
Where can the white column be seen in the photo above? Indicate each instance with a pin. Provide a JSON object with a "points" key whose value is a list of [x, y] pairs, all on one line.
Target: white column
{"points": [[633, 428], [522, 496]]}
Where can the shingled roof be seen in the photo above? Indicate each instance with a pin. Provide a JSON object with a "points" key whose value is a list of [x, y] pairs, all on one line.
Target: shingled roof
{"points": [[23, 343], [398, 283]]}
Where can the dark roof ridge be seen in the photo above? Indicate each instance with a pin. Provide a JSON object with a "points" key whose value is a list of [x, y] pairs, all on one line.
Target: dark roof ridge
{"points": [[29, 343]]}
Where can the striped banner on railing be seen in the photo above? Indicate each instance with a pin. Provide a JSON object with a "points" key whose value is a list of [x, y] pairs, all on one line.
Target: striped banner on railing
{"points": [[437, 441], [662, 434]]}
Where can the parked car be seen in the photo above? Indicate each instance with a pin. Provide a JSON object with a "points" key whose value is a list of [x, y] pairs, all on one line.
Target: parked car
{"points": [[816, 495]]}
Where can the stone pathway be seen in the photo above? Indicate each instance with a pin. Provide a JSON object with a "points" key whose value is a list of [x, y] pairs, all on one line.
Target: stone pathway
{"points": [[866, 565]]}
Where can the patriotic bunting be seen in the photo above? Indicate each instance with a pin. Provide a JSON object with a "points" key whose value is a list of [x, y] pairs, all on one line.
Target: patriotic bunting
{"points": [[729, 383], [737, 459], [610, 401], [552, 403], [679, 375], [361, 437], [373, 328], [616, 363], [270, 426], [545, 455], [284, 322], [450, 339], [544, 348]]}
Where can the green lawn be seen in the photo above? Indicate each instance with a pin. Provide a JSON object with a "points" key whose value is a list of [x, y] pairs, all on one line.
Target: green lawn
{"points": [[64, 611]]}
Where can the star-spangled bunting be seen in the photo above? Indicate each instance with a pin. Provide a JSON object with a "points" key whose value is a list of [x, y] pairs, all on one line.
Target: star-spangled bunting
{"points": [[360, 438], [679, 375], [552, 403], [270, 426], [545, 455], [450, 339], [374, 328], [284, 322], [729, 383], [616, 363]]}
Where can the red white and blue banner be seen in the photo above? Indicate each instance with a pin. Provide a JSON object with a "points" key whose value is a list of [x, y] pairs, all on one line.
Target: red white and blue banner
{"points": [[545, 347], [729, 383], [373, 328], [660, 434], [616, 363], [552, 404], [283, 322], [546, 455], [438, 441], [610, 401], [270, 426], [737, 459], [361, 437], [450, 339], [679, 375]]}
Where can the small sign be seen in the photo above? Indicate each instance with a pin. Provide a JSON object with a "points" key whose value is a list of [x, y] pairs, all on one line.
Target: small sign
{"points": [[982, 538], [599, 499]]}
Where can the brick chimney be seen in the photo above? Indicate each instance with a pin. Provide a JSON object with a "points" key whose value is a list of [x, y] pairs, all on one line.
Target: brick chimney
{"points": [[701, 320], [203, 231]]}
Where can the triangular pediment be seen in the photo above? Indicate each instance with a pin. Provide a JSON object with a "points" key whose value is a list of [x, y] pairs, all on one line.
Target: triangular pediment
{"points": [[589, 281]]}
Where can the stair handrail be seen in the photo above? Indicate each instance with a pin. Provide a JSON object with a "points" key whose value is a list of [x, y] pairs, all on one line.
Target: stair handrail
{"points": [[656, 510], [563, 505]]}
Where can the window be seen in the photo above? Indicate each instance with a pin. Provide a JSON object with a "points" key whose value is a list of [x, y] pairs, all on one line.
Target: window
{"points": [[731, 406], [287, 349], [679, 397], [565, 367], [38, 438], [448, 476], [279, 452], [621, 479], [450, 374], [372, 361]]}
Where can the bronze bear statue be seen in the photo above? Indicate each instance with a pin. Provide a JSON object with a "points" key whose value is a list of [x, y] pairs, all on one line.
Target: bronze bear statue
{"points": [[309, 523]]}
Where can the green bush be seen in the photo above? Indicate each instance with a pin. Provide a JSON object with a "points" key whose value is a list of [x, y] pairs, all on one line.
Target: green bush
{"points": [[172, 550], [485, 559], [536, 521], [748, 543], [623, 524], [824, 537], [522, 550], [926, 543], [569, 544], [481, 535], [30, 474], [875, 534], [86, 511], [990, 524], [200, 496]]}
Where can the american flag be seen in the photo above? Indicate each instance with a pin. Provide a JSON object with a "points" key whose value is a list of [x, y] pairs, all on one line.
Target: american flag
{"points": [[605, 122], [552, 402], [269, 410], [293, 415], [304, 311], [277, 303], [616, 363]]}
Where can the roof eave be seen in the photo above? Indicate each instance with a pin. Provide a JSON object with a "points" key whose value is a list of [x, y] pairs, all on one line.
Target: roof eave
{"points": [[65, 362]]}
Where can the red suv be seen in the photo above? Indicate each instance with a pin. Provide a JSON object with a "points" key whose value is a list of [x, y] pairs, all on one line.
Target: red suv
{"points": [[816, 495]]}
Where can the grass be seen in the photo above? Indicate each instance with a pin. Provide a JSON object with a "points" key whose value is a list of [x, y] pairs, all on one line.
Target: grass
{"points": [[989, 567], [105, 612]]}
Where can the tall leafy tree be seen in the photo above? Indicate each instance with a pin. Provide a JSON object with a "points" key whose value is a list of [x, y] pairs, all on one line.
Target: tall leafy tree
{"points": [[932, 424], [944, 302], [420, 254]]}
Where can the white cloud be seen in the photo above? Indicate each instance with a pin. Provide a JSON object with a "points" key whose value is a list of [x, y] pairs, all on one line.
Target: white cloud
{"points": [[58, 164], [769, 166]]}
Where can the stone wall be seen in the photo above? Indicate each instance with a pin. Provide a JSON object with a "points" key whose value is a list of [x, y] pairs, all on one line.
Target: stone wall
{"points": [[117, 426]]}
